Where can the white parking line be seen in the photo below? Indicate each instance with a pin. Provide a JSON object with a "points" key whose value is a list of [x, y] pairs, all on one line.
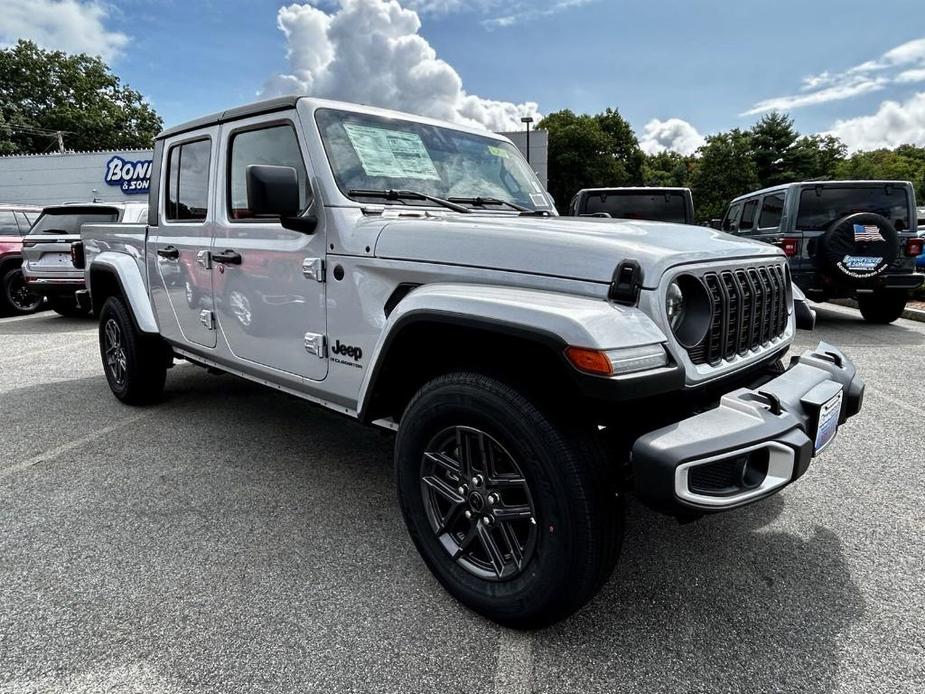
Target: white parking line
{"points": [[53, 453], [514, 672], [16, 319]]}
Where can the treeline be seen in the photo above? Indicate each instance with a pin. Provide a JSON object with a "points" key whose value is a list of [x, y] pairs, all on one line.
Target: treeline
{"points": [[587, 151]]}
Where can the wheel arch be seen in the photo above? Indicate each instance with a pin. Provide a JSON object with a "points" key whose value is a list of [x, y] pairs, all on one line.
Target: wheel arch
{"points": [[115, 274]]}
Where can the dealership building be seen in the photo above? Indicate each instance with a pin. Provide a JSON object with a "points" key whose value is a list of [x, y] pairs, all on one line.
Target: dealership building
{"points": [[124, 175]]}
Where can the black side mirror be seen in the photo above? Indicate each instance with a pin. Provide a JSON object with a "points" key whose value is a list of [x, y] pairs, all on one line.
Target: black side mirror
{"points": [[273, 191], [716, 224]]}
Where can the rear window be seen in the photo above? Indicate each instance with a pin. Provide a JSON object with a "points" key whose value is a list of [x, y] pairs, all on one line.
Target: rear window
{"points": [[658, 206], [822, 205], [69, 221]]}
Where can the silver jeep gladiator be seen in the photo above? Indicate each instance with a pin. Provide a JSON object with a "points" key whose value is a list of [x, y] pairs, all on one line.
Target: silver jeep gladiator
{"points": [[413, 274]]}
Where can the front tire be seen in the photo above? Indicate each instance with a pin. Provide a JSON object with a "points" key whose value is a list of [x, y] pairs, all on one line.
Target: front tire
{"points": [[882, 306], [513, 512], [135, 364]]}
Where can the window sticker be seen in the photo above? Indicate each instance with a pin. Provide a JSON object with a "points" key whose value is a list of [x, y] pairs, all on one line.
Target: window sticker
{"points": [[539, 199], [498, 152], [391, 153]]}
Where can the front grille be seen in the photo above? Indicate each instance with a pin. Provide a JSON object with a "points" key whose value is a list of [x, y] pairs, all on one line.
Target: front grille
{"points": [[748, 309]]}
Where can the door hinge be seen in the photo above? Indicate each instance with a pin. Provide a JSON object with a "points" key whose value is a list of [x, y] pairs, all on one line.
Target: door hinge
{"points": [[207, 318], [316, 344], [204, 259], [313, 269]]}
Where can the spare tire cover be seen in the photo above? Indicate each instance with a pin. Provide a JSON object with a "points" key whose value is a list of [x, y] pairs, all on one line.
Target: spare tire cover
{"points": [[859, 246]]}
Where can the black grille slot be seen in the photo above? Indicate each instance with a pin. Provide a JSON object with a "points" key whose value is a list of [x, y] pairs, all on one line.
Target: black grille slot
{"points": [[715, 478], [748, 310]]}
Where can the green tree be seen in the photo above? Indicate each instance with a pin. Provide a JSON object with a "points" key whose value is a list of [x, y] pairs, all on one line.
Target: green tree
{"points": [[667, 168], [817, 156], [905, 163], [725, 170], [772, 140], [590, 151], [44, 91]]}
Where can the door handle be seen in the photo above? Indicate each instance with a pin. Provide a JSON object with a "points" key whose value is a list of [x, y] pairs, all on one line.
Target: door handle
{"points": [[229, 257], [169, 252]]}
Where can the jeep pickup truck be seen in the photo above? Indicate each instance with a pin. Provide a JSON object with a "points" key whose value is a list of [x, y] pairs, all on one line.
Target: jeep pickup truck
{"points": [[412, 274], [651, 203]]}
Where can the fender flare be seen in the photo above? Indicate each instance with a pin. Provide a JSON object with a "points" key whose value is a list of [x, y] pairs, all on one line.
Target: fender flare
{"points": [[551, 318], [129, 278]]}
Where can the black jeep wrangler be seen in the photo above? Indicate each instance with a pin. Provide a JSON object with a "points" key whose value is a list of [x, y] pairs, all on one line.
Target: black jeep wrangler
{"points": [[845, 239]]}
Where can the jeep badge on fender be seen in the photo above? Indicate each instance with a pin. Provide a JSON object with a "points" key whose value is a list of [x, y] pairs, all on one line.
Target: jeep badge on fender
{"points": [[498, 344]]}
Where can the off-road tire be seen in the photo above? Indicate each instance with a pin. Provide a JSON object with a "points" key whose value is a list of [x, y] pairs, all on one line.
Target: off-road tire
{"points": [[882, 306], [10, 283], [579, 517], [142, 359]]}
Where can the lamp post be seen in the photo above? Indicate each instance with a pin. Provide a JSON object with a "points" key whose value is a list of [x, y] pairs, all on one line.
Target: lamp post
{"points": [[526, 120]]}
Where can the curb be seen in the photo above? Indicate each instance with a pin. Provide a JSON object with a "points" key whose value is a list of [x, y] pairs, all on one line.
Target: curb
{"points": [[915, 314]]}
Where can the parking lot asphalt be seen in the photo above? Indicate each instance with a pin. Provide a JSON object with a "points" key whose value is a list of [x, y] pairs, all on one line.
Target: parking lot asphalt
{"points": [[234, 539]]}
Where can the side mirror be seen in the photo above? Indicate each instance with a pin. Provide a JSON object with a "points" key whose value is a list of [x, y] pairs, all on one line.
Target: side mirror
{"points": [[273, 191], [716, 224]]}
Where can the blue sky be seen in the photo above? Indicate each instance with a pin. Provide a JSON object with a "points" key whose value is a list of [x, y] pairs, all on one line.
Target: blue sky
{"points": [[702, 63]]}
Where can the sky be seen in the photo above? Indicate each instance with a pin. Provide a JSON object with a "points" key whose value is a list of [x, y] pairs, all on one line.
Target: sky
{"points": [[676, 69]]}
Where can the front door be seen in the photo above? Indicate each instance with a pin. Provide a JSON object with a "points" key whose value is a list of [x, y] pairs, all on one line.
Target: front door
{"points": [[177, 251], [269, 288]]}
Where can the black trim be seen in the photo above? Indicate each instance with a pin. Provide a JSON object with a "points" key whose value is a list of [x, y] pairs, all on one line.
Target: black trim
{"points": [[627, 281], [155, 183], [97, 305], [254, 109]]}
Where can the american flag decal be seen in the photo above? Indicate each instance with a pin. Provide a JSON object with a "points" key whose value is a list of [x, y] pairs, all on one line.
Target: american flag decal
{"points": [[868, 233]]}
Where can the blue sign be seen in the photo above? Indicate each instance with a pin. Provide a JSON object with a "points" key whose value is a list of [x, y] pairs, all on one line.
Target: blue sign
{"points": [[133, 177]]}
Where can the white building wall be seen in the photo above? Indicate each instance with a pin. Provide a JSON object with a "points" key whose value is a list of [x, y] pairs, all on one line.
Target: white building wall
{"points": [[46, 179]]}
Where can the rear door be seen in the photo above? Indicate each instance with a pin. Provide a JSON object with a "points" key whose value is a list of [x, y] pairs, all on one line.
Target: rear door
{"points": [[177, 249]]}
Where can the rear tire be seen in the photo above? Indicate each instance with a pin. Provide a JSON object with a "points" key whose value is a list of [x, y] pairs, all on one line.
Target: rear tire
{"points": [[135, 363], [15, 296], [548, 568], [882, 306], [66, 307]]}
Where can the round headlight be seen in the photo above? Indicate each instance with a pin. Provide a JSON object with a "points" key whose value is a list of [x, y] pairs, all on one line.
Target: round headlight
{"points": [[675, 306], [687, 307]]}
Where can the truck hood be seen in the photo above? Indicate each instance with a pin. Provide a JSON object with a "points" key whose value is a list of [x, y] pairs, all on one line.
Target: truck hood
{"points": [[586, 249]]}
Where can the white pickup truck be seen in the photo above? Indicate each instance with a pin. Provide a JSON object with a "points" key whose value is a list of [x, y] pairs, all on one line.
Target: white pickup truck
{"points": [[413, 274]]}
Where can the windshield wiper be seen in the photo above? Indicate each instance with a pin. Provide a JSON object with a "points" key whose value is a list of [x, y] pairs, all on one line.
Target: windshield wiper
{"points": [[400, 195], [479, 201]]}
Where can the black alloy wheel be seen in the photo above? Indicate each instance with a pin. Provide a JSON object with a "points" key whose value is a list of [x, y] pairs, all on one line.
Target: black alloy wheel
{"points": [[478, 503]]}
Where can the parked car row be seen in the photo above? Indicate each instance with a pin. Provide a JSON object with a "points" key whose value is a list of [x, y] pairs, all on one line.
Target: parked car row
{"points": [[15, 296]]}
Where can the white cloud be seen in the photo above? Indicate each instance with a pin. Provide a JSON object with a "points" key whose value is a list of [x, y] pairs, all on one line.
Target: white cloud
{"points": [[892, 125], [71, 26], [900, 65], [519, 12], [370, 52], [673, 134]]}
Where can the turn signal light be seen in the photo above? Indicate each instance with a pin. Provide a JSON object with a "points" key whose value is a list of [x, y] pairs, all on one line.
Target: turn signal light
{"points": [[589, 360], [790, 246], [914, 247]]}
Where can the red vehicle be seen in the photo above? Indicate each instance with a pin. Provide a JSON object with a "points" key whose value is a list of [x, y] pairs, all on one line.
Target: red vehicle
{"points": [[15, 296]]}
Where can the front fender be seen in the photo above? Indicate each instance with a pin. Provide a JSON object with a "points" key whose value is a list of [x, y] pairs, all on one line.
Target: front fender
{"points": [[559, 320], [128, 275]]}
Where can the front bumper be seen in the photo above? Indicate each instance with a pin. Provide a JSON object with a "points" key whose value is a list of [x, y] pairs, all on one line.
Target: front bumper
{"points": [[756, 442]]}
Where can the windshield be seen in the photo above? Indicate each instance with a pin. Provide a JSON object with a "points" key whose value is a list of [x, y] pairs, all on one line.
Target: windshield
{"points": [[372, 153], [661, 206], [822, 205], [69, 221]]}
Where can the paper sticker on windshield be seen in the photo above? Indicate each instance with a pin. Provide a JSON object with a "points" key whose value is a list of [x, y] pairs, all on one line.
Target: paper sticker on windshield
{"points": [[498, 152], [539, 199], [391, 153]]}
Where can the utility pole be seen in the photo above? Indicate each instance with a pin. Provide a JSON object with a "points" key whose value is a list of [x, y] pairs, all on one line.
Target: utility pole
{"points": [[60, 142]]}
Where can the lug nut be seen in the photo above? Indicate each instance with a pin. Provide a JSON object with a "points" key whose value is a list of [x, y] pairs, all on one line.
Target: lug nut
{"points": [[493, 499], [477, 480], [461, 490], [486, 520], [468, 514]]}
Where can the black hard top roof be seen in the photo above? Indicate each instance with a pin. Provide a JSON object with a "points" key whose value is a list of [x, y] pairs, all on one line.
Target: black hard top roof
{"points": [[266, 106]]}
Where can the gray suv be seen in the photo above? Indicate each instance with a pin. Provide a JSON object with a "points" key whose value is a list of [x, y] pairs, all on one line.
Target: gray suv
{"points": [[844, 239]]}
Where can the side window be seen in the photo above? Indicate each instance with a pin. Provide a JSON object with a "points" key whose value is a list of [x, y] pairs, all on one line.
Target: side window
{"points": [[188, 181], [748, 216], [8, 225], [276, 145], [772, 209], [731, 220], [25, 221]]}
